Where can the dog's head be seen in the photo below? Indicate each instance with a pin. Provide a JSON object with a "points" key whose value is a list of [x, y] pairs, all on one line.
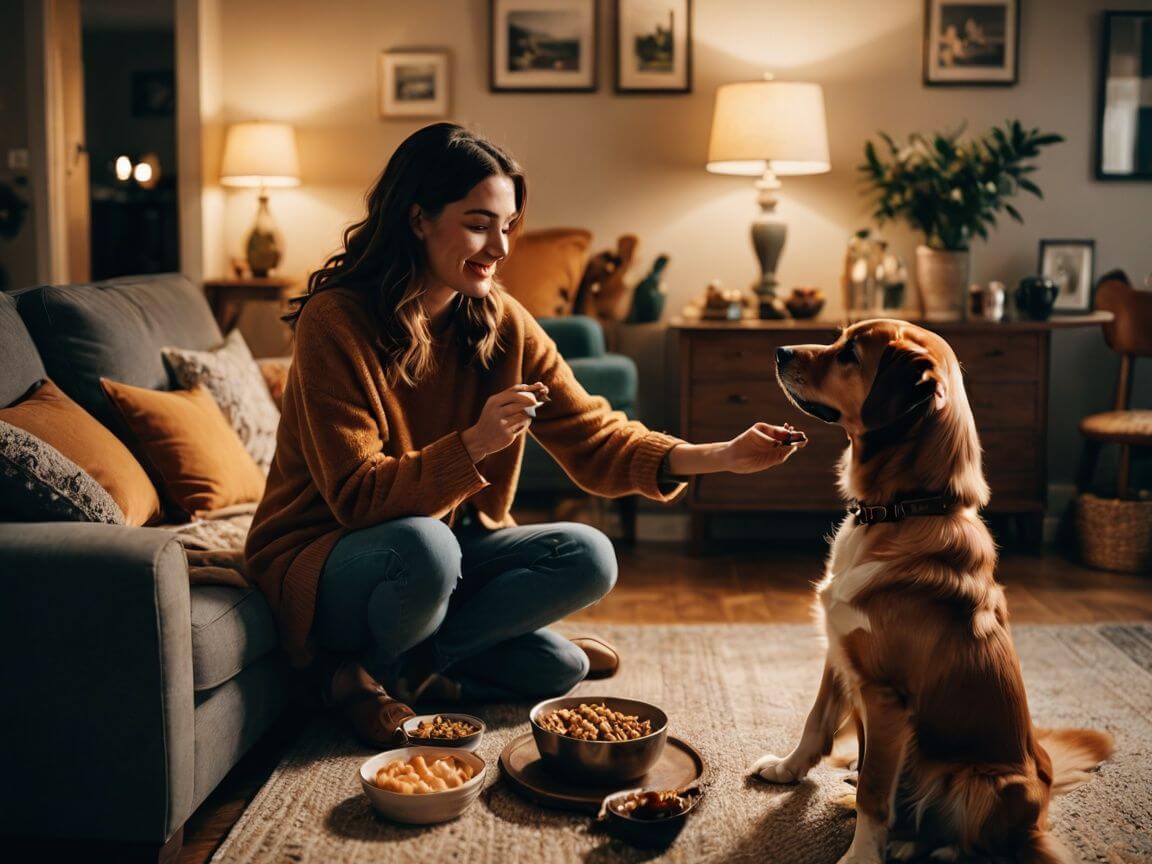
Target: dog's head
{"points": [[893, 387]]}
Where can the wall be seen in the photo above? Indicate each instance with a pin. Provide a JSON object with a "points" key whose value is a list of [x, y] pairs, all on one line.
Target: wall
{"points": [[17, 254], [635, 163]]}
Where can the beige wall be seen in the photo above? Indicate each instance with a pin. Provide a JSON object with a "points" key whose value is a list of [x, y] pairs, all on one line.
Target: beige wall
{"points": [[635, 163], [626, 163]]}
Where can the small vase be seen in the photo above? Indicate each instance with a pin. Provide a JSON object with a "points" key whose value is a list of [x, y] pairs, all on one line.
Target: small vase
{"points": [[942, 278]]}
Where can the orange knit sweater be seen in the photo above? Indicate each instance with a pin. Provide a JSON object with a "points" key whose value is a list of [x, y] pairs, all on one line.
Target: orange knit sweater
{"points": [[353, 451]]}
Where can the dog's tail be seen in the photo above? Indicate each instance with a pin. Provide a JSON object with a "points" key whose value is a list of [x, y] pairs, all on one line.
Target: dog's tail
{"points": [[1075, 753]]}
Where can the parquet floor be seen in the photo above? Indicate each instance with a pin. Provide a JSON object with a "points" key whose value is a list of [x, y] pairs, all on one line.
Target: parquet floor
{"points": [[659, 584]]}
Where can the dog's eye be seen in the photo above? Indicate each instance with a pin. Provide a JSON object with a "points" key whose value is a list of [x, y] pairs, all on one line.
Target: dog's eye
{"points": [[847, 354]]}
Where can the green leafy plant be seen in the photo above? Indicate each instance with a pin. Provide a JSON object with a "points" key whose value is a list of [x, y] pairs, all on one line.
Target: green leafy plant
{"points": [[951, 188]]}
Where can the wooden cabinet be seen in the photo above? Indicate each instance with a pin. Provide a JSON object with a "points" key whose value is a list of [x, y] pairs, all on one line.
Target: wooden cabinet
{"points": [[728, 381]]}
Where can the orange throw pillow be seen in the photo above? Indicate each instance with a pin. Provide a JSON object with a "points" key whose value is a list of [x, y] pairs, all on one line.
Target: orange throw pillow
{"points": [[544, 270], [56, 420], [192, 450]]}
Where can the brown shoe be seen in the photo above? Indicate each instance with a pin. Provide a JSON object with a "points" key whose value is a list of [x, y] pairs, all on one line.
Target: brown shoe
{"points": [[603, 658], [375, 717]]}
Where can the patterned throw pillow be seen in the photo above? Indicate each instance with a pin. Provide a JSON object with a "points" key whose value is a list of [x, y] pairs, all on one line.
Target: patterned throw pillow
{"points": [[39, 483], [236, 384]]}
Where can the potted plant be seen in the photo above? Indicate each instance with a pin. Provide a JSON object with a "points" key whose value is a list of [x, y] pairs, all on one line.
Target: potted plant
{"points": [[950, 189]]}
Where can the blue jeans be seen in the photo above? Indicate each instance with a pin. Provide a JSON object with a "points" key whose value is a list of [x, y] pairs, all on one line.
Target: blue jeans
{"points": [[473, 603]]}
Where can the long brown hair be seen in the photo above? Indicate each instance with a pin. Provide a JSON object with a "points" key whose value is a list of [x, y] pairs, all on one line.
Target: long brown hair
{"points": [[384, 258]]}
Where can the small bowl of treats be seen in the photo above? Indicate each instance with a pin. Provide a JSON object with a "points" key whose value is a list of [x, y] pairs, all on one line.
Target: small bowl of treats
{"points": [[422, 785], [445, 730], [599, 739], [650, 818]]}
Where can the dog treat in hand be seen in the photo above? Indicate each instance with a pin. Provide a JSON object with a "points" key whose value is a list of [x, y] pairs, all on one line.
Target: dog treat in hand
{"points": [[417, 777], [443, 728], [595, 723]]}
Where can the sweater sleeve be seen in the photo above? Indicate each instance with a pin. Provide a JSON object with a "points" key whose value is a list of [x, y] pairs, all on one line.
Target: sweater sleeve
{"points": [[343, 440], [600, 449]]}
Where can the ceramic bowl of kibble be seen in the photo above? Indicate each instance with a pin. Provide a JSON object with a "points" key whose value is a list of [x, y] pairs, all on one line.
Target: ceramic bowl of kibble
{"points": [[425, 794], [444, 730], [599, 739], [648, 818]]}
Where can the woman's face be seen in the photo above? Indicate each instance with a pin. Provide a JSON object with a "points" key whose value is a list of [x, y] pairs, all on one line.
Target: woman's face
{"points": [[469, 238]]}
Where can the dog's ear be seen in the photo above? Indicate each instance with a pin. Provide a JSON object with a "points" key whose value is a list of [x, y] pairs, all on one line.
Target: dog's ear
{"points": [[906, 380]]}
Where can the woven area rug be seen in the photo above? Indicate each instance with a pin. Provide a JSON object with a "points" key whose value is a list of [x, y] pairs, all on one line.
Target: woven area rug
{"points": [[735, 692]]}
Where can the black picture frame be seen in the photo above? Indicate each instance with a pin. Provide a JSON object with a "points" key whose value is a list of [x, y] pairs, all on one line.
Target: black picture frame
{"points": [[1107, 19], [1086, 282], [617, 46], [496, 85], [1010, 72]]}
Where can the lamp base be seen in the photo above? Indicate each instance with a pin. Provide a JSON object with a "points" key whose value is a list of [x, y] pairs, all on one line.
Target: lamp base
{"points": [[264, 244], [768, 235]]}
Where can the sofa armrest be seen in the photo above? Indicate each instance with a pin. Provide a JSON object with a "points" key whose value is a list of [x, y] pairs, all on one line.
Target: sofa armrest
{"points": [[575, 336], [96, 670]]}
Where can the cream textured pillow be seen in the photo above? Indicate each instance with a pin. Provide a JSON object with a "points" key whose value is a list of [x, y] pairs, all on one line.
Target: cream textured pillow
{"points": [[236, 384]]}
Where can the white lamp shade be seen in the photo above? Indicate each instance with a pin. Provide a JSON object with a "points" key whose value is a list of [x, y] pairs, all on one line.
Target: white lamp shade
{"points": [[761, 122], [260, 154]]}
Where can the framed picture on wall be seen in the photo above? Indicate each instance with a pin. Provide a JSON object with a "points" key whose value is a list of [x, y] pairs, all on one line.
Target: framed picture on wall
{"points": [[542, 45], [1124, 115], [653, 46], [971, 42], [414, 84], [1070, 264]]}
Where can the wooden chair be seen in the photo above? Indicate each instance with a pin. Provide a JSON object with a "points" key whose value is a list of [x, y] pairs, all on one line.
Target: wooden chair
{"points": [[1129, 334]]}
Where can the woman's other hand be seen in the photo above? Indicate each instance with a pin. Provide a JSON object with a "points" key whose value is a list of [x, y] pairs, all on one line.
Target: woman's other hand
{"points": [[504, 416], [761, 446]]}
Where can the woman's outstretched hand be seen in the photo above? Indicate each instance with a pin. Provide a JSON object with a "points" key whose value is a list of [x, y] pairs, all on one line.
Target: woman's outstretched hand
{"points": [[762, 446], [504, 416], [758, 447]]}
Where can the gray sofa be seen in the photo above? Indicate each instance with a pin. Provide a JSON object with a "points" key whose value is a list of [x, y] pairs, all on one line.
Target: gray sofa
{"points": [[128, 695]]}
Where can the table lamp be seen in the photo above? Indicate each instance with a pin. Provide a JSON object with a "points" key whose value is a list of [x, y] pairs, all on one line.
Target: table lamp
{"points": [[768, 129], [261, 156]]}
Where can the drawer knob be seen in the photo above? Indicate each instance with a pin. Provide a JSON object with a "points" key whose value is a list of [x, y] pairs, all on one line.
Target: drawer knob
{"points": [[995, 352], [734, 355], [738, 399]]}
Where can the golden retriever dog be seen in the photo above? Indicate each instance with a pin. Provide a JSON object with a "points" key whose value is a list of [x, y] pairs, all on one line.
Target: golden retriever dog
{"points": [[919, 651]]}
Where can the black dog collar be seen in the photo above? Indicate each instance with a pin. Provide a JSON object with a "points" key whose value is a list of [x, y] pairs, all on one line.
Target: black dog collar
{"points": [[870, 514]]}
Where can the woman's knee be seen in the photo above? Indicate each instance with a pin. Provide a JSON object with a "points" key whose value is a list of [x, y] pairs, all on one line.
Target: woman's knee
{"points": [[563, 667], [428, 555], [591, 559]]}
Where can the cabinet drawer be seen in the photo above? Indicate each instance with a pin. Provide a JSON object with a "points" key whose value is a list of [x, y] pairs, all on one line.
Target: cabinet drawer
{"points": [[1013, 464], [738, 403], [1004, 404], [745, 355], [998, 356]]}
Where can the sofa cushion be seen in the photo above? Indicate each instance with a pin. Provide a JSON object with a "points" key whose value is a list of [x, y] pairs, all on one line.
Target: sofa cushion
{"points": [[55, 419], [192, 452], [115, 329], [545, 268], [18, 355], [231, 629], [235, 381], [38, 483], [612, 376]]}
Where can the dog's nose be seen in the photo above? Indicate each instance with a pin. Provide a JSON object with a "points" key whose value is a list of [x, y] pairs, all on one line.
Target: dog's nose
{"points": [[783, 356]]}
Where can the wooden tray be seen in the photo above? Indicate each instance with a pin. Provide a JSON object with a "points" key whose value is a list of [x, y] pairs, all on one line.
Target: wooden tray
{"points": [[680, 765]]}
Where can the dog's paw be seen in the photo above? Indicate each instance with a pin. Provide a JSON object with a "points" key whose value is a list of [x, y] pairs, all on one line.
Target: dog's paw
{"points": [[775, 769]]}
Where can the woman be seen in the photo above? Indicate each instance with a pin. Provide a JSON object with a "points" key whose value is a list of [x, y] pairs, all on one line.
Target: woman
{"points": [[384, 540]]}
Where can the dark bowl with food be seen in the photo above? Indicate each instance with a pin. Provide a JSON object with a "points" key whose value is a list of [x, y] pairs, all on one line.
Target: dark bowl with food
{"points": [[444, 730], [648, 818], [600, 739]]}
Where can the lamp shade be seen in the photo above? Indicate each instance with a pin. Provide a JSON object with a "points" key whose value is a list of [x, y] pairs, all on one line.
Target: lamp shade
{"points": [[260, 154], [761, 122]]}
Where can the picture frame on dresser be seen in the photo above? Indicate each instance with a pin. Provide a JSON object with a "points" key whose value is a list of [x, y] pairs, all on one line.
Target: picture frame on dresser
{"points": [[543, 46], [653, 46], [1071, 265], [971, 43]]}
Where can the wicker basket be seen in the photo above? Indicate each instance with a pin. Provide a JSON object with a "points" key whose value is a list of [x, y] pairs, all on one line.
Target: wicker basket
{"points": [[1115, 534]]}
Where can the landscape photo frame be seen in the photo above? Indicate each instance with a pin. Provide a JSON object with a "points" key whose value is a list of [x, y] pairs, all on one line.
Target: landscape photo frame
{"points": [[543, 46]]}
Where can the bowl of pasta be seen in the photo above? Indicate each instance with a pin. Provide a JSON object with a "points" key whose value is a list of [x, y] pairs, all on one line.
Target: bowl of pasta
{"points": [[422, 785]]}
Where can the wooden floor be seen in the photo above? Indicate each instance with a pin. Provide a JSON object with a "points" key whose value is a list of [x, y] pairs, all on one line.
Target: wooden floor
{"points": [[659, 584]]}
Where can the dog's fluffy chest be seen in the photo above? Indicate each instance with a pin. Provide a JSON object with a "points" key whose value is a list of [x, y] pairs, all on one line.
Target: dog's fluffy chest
{"points": [[848, 573]]}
